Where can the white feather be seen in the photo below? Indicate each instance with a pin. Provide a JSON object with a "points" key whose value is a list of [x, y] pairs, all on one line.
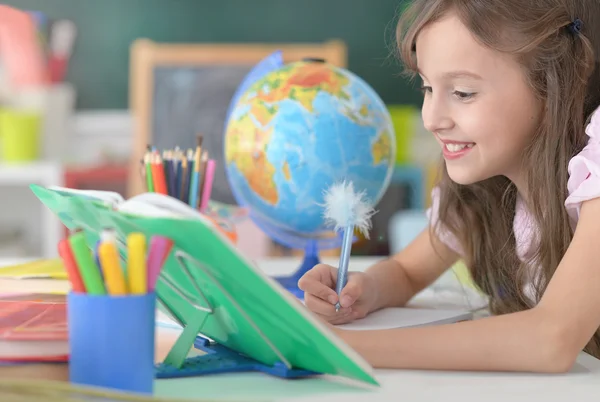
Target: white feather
{"points": [[344, 206]]}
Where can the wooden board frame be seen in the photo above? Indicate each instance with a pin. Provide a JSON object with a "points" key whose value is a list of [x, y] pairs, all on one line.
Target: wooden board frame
{"points": [[145, 55]]}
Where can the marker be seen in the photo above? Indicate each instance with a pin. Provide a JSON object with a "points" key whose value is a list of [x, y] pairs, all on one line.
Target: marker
{"points": [[136, 263], [160, 247], [65, 252], [90, 273], [111, 266], [97, 259]]}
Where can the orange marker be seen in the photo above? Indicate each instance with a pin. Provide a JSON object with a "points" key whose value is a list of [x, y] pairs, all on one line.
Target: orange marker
{"points": [[71, 266], [111, 267]]}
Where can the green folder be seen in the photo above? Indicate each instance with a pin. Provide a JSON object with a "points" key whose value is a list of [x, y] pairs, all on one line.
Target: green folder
{"points": [[207, 283]]}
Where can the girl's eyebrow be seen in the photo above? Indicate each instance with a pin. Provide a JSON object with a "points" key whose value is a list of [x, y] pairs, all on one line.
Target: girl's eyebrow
{"points": [[456, 74], [462, 74]]}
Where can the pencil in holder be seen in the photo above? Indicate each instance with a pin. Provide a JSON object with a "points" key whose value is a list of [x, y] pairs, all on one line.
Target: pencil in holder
{"points": [[112, 341]]}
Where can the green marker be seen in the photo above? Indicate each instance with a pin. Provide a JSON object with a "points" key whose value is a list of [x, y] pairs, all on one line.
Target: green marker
{"points": [[90, 272]]}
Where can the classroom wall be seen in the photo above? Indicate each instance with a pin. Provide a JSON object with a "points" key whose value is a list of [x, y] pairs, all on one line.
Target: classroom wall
{"points": [[100, 66]]}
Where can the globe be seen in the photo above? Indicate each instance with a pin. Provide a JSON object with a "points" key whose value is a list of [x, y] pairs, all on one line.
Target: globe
{"points": [[294, 132]]}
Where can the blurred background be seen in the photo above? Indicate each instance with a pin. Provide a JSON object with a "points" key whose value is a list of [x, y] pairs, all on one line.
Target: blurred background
{"points": [[69, 117]]}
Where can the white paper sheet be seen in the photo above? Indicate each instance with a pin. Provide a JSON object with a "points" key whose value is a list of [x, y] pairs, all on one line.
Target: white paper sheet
{"points": [[407, 317]]}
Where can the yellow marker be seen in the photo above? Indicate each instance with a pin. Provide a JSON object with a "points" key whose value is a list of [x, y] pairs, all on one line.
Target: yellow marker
{"points": [[136, 263], [111, 266]]}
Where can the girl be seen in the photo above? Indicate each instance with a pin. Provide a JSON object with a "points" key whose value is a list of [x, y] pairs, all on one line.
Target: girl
{"points": [[511, 89]]}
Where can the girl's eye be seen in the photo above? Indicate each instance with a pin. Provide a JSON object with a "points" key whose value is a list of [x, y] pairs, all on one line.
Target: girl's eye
{"points": [[464, 95], [425, 89]]}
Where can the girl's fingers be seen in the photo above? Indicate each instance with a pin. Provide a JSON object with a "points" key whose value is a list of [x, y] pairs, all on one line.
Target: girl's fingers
{"points": [[322, 307]]}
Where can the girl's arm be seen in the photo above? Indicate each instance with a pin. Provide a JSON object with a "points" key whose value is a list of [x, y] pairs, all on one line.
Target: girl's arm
{"points": [[400, 277], [547, 338]]}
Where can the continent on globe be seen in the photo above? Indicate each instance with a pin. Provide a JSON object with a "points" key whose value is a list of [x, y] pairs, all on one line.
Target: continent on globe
{"points": [[382, 151], [302, 83], [247, 147]]}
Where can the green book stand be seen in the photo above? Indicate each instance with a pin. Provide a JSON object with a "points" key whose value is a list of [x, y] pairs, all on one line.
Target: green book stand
{"points": [[213, 291]]}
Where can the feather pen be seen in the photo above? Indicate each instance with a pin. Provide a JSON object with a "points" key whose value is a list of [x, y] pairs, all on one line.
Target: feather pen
{"points": [[347, 210]]}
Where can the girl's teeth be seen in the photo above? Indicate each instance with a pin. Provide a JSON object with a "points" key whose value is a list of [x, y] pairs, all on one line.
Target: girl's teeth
{"points": [[457, 147]]}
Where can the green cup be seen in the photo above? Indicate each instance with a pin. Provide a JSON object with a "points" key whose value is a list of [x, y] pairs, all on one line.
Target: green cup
{"points": [[20, 133]]}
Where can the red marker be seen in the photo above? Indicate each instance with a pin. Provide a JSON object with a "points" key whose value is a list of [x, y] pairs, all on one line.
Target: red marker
{"points": [[71, 266]]}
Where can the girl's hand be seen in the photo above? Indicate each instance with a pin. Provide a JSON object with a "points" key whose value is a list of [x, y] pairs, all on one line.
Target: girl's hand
{"points": [[356, 300]]}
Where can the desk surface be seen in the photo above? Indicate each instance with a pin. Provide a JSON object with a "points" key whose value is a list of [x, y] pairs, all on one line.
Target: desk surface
{"points": [[581, 384]]}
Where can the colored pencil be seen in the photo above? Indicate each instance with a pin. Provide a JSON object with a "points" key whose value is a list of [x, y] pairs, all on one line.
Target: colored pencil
{"points": [[149, 179], [184, 176], [206, 191], [189, 173], [195, 180], [165, 160], [202, 178], [181, 174], [159, 180]]}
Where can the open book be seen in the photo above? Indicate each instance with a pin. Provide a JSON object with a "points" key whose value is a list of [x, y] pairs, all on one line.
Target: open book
{"points": [[160, 205], [146, 204]]}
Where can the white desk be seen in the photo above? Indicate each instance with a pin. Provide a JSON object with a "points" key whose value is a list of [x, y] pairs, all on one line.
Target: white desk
{"points": [[582, 384]]}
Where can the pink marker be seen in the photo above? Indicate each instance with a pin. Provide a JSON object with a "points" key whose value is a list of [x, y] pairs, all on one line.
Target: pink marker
{"points": [[160, 247], [208, 183]]}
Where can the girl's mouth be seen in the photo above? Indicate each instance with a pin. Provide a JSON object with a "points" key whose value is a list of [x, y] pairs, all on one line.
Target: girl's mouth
{"points": [[454, 150]]}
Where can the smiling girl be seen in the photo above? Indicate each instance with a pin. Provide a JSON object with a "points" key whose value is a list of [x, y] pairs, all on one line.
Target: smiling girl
{"points": [[511, 93]]}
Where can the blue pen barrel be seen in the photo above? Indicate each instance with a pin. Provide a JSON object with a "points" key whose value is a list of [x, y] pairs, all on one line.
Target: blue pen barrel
{"points": [[112, 341], [342, 275]]}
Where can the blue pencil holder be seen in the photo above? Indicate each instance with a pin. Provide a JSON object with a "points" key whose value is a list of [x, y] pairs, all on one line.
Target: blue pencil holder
{"points": [[111, 341]]}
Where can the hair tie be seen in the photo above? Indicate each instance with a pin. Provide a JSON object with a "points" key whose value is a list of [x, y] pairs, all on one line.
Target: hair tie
{"points": [[575, 26]]}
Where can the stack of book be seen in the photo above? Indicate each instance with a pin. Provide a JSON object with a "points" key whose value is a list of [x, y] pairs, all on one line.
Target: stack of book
{"points": [[33, 313]]}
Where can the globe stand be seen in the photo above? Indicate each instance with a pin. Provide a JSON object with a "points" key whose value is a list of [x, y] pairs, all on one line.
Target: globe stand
{"points": [[311, 258]]}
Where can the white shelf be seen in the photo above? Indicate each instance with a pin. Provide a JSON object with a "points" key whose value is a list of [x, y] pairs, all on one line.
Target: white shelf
{"points": [[47, 173], [44, 174]]}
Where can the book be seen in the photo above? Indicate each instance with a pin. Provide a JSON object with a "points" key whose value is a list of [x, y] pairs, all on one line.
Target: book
{"points": [[34, 285], [33, 328], [38, 276], [52, 268], [221, 216], [206, 282]]}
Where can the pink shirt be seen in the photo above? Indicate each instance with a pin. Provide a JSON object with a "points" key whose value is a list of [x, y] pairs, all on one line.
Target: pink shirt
{"points": [[583, 185]]}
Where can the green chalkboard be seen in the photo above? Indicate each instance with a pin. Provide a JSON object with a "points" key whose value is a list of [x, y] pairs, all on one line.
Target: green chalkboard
{"points": [[100, 66]]}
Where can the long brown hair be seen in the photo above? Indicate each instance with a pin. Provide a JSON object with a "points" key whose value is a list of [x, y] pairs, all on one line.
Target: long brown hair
{"points": [[562, 69]]}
